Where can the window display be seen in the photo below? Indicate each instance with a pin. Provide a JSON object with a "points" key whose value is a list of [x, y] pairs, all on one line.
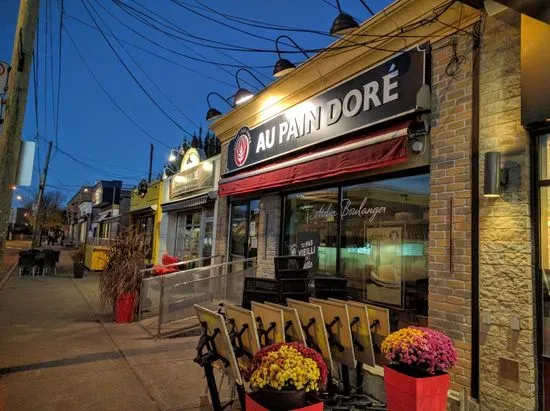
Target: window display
{"points": [[375, 234]]}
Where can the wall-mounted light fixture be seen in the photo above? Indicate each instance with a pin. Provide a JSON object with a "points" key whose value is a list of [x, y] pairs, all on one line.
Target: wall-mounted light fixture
{"points": [[495, 177], [284, 66], [343, 23], [214, 113], [243, 94]]}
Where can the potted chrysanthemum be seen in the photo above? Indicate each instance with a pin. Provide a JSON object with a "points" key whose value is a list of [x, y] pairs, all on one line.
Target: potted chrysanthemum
{"points": [[417, 377], [282, 374]]}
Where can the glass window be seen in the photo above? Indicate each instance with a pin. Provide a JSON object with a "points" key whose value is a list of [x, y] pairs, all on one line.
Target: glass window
{"points": [[188, 233], [311, 229], [375, 234], [545, 237], [245, 219], [384, 251]]}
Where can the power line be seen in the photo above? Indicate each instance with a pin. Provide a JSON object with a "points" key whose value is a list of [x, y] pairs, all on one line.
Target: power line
{"points": [[132, 74], [145, 72], [60, 66], [242, 64], [157, 55], [109, 95]]}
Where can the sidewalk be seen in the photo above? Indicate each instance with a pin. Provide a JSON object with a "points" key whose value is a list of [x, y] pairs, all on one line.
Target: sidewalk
{"points": [[59, 350], [11, 255]]}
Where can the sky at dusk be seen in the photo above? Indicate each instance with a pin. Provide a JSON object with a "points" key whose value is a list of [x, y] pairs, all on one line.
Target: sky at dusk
{"points": [[103, 142]]}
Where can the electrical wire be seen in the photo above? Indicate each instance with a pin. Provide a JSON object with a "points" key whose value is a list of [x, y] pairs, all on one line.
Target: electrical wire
{"points": [[132, 74], [60, 66], [241, 64], [145, 72], [111, 98], [68, 16], [51, 60]]}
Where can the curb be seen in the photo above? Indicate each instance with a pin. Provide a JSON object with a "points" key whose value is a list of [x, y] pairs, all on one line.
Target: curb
{"points": [[6, 277]]}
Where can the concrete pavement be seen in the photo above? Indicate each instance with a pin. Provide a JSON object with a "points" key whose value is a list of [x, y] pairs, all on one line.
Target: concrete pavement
{"points": [[60, 350]]}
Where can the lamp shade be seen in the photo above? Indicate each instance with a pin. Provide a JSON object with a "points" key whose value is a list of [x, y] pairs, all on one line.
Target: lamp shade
{"points": [[242, 95], [283, 67], [212, 114], [343, 24], [491, 184]]}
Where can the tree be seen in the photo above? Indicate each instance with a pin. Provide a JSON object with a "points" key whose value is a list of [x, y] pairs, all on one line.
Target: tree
{"points": [[52, 209]]}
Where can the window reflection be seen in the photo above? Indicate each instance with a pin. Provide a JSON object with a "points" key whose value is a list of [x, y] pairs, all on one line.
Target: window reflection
{"points": [[385, 242], [383, 245], [544, 239], [311, 229]]}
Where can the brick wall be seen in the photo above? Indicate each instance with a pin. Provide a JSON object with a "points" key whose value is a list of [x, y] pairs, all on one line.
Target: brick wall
{"points": [[505, 226], [450, 178], [222, 216]]}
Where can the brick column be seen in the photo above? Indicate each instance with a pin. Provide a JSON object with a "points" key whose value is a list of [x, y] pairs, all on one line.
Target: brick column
{"points": [[450, 179]]}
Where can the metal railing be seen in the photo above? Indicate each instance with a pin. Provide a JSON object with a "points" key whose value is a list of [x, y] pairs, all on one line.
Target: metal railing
{"points": [[167, 301]]}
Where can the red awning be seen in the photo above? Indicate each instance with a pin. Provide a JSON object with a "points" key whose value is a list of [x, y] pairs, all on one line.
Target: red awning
{"points": [[384, 148]]}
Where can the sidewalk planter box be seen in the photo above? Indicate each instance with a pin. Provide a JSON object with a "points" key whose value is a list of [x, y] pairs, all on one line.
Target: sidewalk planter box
{"points": [[406, 393], [124, 308], [78, 270], [280, 400]]}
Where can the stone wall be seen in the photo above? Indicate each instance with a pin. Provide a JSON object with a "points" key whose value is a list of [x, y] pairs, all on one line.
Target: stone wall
{"points": [[506, 274], [450, 297]]}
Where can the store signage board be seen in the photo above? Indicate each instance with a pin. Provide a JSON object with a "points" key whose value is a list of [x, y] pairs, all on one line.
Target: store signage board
{"points": [[198, 177], [307, 245], [380, 93]]}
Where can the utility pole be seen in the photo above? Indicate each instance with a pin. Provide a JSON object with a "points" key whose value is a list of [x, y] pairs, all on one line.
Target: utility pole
{"points": [[38, 216], [151, 151], [18, 84]]}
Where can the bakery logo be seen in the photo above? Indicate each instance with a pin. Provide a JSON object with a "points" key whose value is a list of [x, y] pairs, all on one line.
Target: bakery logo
{"points": [[242, 147]]}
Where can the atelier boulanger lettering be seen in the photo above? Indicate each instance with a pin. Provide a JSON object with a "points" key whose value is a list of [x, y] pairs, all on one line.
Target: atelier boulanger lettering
{"points": [[378, 94]]}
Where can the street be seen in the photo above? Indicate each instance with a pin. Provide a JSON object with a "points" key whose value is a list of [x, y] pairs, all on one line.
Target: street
{"points": [[60, 350]]}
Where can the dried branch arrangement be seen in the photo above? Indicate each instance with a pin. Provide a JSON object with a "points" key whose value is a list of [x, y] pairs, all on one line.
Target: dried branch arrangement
{"points": [[125, 259]]}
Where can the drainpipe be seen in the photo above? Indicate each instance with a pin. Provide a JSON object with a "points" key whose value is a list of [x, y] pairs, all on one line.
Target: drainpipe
{"points": [[474, 389]]}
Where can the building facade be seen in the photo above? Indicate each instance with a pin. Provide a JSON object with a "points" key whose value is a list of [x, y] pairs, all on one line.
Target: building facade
{"points": [[189, 206], [145, 215], [378, 164], [79, 215]]}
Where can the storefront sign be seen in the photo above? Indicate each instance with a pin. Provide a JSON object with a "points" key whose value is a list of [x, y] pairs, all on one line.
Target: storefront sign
{"points": [[381, 93], [307, 246], [196, 178], [348, 209]]}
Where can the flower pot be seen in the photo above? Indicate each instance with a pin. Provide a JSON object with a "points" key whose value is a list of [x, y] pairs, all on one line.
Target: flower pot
{"points": [[78, 269], [407, 393], [280, 400], [124, 308]]}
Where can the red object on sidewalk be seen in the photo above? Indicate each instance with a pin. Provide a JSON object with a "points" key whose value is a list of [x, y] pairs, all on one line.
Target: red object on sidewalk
{"points": [[124, 308], [405, 393], [169, 259], [252, 405]]}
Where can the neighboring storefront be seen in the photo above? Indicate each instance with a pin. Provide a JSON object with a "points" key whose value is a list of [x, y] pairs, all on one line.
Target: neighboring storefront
{"points": [[372, 163], [145, 215], [79, 216], [110, 205], [189, 204]]}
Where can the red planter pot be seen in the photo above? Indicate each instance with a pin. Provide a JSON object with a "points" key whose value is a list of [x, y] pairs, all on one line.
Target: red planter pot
{"points": [[253, 405], [124, 308], [406, 393]]}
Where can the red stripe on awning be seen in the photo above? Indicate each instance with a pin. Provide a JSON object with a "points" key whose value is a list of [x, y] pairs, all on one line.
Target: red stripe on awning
{"points": [[382, 154]]}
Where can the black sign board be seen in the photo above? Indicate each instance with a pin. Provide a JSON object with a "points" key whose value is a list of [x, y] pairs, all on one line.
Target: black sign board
{"points": [[307, 246], [380, 93]]}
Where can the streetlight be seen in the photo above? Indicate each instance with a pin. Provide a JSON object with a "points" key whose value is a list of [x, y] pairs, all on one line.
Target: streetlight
{"points": [[214, 113], [242, 95], [284, 66]]}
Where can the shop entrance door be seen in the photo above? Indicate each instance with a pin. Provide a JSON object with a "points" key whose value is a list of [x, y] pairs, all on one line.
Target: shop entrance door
{"points": [[243, 242]]}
